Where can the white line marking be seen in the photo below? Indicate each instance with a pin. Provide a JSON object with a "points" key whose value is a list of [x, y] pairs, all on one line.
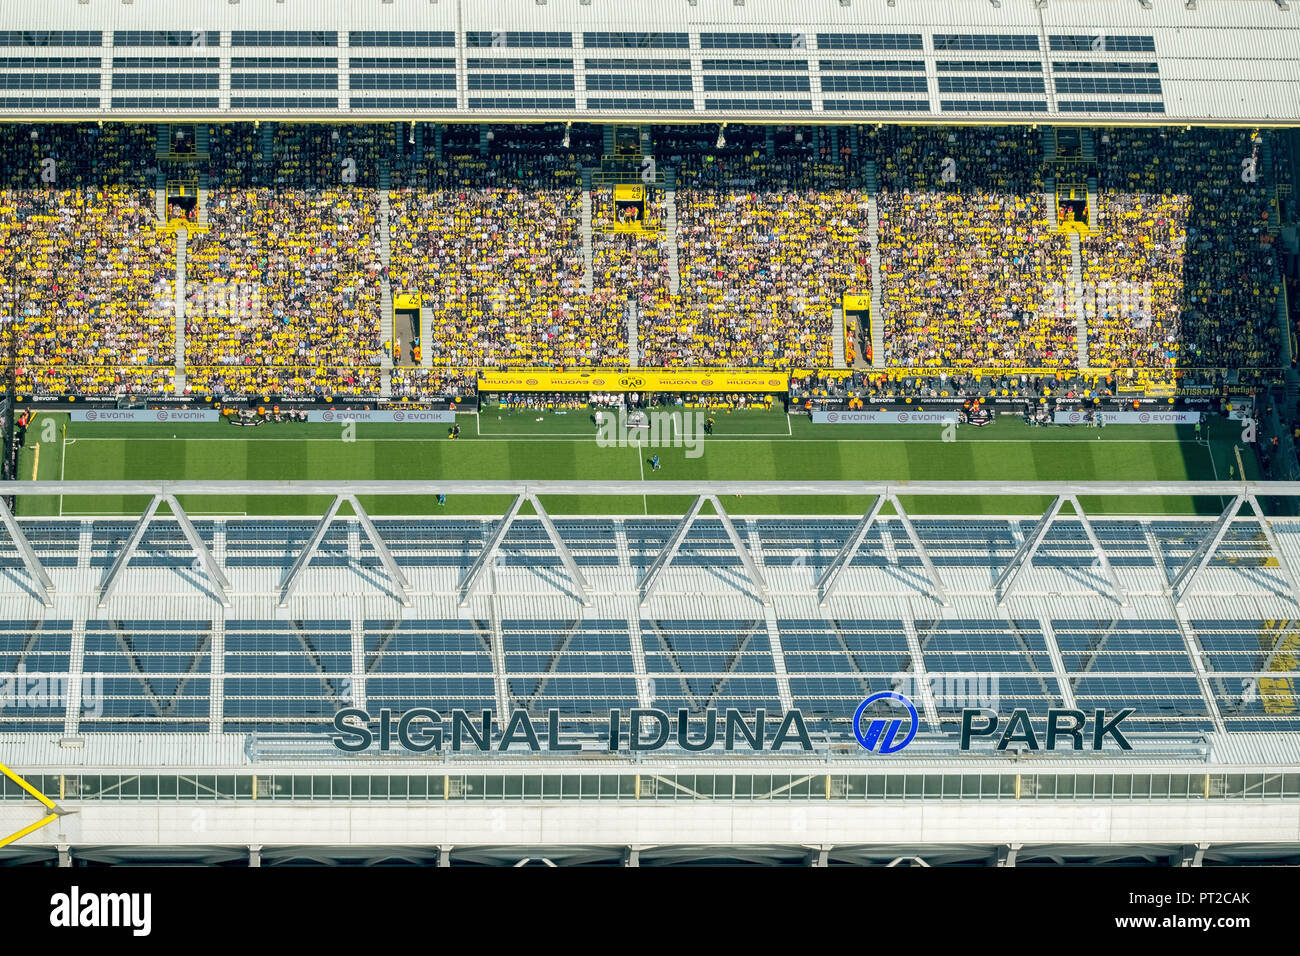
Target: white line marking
{"points": [[584, 438]]}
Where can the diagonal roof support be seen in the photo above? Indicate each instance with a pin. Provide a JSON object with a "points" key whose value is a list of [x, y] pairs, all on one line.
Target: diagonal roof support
{"points": [[671, 546], [217, 577], [308, 552], [919, 546], [1204, 551], [44, 586], [1270, 536], [581, 589], [1024, 555], [746, 556], [490, 549], [128, 550], [1102, 557], [401, 587], [826, 583]]}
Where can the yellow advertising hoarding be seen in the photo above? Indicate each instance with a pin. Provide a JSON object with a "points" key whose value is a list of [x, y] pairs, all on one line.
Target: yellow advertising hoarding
{"points": [[857, 303], [407, 301], [634, 380]]}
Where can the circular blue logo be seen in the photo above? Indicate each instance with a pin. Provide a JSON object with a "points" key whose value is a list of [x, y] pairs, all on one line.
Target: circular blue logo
{"points": [[881, 731]]}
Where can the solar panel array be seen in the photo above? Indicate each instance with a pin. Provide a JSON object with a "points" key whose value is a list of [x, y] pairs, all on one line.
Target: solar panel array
{"points": [[290, 674], [596, 71]]}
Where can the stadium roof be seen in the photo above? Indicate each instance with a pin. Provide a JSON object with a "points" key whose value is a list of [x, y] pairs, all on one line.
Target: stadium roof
{"points": [[229, 626], [1059, 61]]}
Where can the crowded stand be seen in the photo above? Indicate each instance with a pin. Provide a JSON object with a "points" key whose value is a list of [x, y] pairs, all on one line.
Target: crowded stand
{"points": [[767, 245], [772, 229], [969, 264], [301, 246], [87, 271], [1177, 212], [493, 244]]}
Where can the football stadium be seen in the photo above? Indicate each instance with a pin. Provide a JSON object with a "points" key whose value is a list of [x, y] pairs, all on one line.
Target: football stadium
{"points": [[854, 432]]}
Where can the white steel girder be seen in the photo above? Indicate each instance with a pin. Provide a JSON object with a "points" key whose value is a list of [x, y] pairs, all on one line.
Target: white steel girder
{"points": [[581, 589], [1204, 551], [401, 587], [674, 543], [826, 583], [217, 577], [44, 586]]}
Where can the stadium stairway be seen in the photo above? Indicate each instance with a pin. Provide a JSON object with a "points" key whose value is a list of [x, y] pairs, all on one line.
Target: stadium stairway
{"points": [[1094, 208], [203, 196], [1266, 175], [1089, 146], [182, 244], [1049, 197], [385, 284], [160, 196], [162, 139], [1076, 297], [873, 233], [670, 226], [837, 337], [268, 141], [633, 340], [587, 256], [202, 140], [769, 143], [1048, 134], [426, 323]]}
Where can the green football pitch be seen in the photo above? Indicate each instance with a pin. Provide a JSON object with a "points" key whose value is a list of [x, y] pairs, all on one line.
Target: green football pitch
{"points": [[517, 445]]}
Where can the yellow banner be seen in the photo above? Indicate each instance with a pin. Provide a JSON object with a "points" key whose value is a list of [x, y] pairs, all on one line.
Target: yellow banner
{"points": [[634, 380], [629, 193], [407, 302], [857, 303]]}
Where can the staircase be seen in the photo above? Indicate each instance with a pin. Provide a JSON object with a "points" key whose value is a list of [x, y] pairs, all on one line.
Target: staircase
{"points": [[633, 313], [385, 284], [268, 141], [1075, 298], [484, 144], [769, 143], [670, 226], [1088, 145], [437, 142], [203, 198], [854, 142], [588, 271], [182, 244], [426, 324], [1049, 201], [607, 139], [419, 141], [837, 340], [1094, 208], [162, 140], [1266, 181], [160, 196], [873, 233], [1048, 136], [202, 140]]}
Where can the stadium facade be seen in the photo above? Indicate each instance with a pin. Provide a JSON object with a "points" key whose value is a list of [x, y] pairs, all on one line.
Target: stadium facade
{"points": [[835, 61], [208, 658]]}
